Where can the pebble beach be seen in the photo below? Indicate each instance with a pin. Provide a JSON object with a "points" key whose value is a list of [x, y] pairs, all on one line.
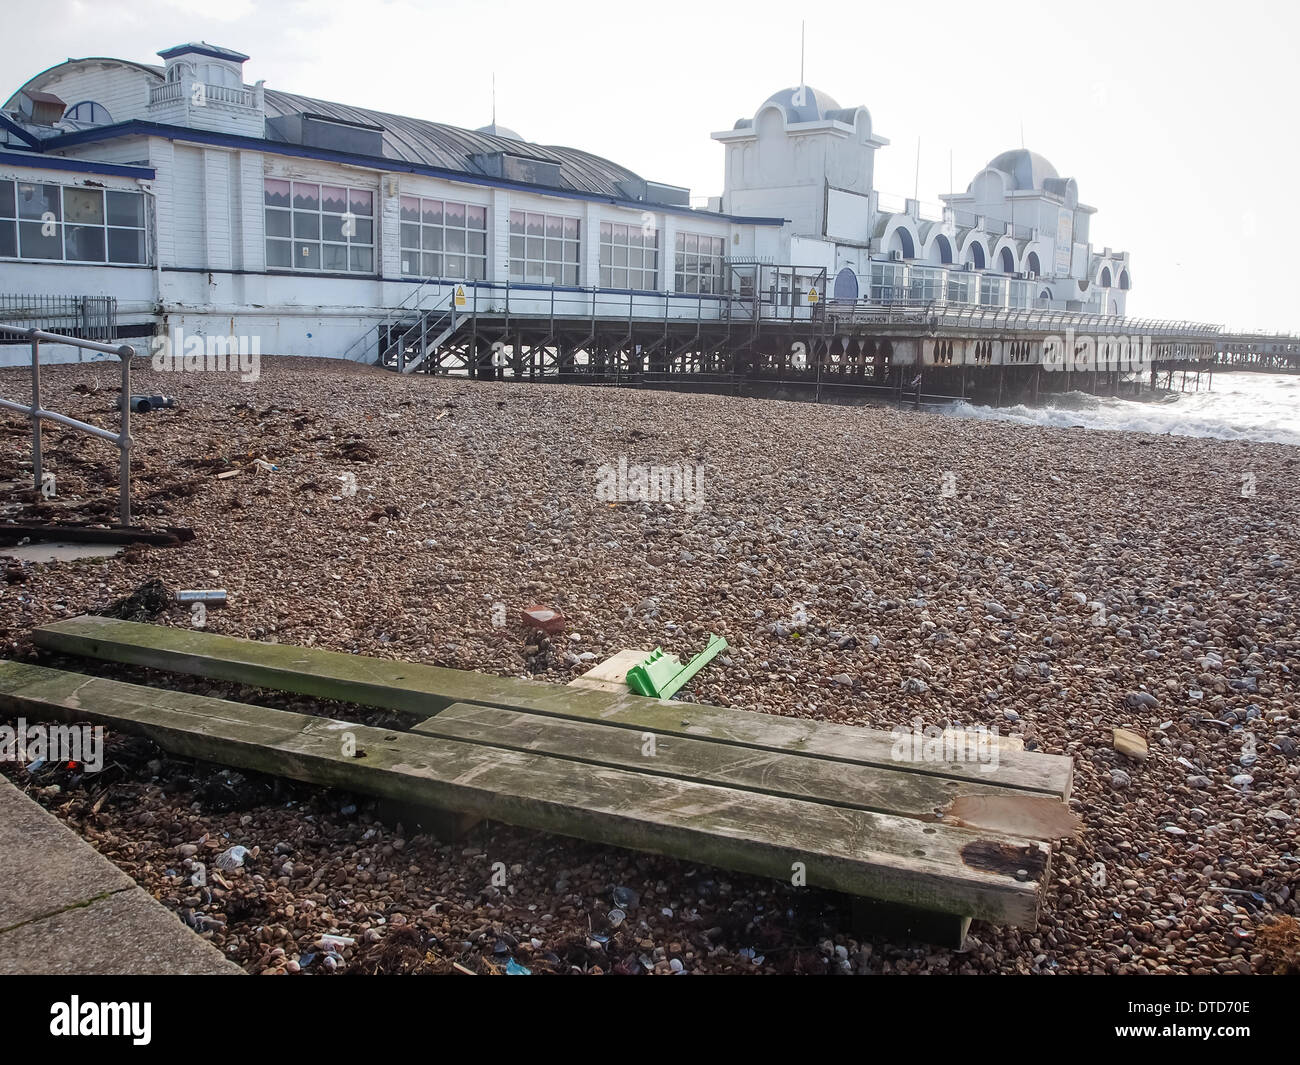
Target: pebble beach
{"points": [[868, 566]]}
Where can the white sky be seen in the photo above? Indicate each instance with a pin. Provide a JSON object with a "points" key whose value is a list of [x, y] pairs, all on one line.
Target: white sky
{"points": [[1178, 120]]}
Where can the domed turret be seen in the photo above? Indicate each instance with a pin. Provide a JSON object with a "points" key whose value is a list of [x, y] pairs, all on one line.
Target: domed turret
{"points": [[1028, 170], [803, 104]]}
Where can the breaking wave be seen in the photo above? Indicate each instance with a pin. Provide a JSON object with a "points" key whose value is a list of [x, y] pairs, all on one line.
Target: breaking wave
{"points": [[1258, 407]]}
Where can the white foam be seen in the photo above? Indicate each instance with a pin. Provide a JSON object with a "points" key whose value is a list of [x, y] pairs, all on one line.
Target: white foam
{"points": [[1264, 408]]}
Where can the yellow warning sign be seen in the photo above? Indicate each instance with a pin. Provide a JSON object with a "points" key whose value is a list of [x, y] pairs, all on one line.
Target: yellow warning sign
{"points": [[812, 295], [460, 295]]}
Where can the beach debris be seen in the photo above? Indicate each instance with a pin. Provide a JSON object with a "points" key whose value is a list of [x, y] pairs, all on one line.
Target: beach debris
{"points": [[209, 596], [232, 858], [144, 404], [331, 942], [1130, 744], [661, 676], [144, 604], [543, 619]]}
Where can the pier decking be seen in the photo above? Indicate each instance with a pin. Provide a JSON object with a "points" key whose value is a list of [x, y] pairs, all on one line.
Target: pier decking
{"points": [[791, 341]]}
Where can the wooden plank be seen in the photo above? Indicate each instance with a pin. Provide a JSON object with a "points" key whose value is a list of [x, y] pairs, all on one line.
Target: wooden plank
{"points": [[954, 870], [611, 674], [891, 791], [421, 689]]}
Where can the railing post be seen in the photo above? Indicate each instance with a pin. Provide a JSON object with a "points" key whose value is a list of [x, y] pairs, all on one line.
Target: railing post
{"points": [[124, 440], [36, 414]]}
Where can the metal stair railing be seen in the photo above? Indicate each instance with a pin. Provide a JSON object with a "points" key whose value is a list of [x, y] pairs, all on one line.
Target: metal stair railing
{"points": [[412, 304], [427, 332]]}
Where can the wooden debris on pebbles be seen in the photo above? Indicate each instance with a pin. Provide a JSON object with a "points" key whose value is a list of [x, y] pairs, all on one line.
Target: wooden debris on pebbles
{"points": [[1062, 592]]}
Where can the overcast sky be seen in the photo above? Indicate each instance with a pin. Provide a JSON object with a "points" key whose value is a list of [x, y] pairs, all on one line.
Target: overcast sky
{"points": [[1179, 121]]}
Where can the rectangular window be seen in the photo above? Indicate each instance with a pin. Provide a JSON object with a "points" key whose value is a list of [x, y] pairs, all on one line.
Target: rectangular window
{"points": [[887, 283], [544, 249], [327, 228], [959, 286], [699, 264], [442, 238], [71, 224], [925, 284], [991, 291], [629, 257]]}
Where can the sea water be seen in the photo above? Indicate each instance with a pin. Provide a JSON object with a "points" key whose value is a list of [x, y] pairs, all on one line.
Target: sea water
{"points": [[1260, 407]]}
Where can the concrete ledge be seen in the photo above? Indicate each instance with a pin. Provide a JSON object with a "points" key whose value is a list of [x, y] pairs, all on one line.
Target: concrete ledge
{"points": [[66, 909]]}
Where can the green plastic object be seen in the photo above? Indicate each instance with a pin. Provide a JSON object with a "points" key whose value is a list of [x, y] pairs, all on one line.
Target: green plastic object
{"points": [[661, 676]]}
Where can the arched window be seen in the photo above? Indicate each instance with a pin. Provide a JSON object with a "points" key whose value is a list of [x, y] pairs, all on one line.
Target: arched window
{"points": [[1032, 264], [1105, 277], [1008, 261], [975, 254], [1123, 280], [90, 112], [220, 74]]}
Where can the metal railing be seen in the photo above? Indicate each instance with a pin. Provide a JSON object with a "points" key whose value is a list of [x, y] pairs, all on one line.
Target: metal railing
{"points": [[412, 304], [37, 413], [942, 315], [87, 317], [435, 324]]}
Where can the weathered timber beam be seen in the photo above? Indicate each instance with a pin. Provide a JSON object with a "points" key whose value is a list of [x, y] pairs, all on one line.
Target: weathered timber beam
{"points": [[425, 690], [934, 867], [796, 776]]}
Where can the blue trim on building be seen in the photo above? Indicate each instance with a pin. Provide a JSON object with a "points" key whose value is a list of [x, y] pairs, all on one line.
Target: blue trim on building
{"points": [[198, 49], [137, 127], [20, 133], [77, 166]]}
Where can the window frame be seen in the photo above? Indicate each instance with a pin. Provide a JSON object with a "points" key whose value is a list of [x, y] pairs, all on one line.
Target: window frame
{"points": [[615, 238], [523, 244], [689, 277], [16, 223], [437, 251], [306, 227]]}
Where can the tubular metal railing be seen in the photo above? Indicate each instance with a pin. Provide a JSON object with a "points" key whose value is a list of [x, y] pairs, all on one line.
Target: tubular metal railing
{"points": [[37, 413], [412, 304]]}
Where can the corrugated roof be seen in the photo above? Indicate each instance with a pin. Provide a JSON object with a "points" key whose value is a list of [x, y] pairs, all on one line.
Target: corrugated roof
{"points": [[435, 144], [417, 140]]}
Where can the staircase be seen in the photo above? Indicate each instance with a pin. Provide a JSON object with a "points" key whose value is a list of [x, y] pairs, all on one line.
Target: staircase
{"points": [[412, 338], [408, 334]]}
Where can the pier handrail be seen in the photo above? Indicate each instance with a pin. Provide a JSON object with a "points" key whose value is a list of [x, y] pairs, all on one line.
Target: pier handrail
{"points": [[37, 413], [404, 308]]}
